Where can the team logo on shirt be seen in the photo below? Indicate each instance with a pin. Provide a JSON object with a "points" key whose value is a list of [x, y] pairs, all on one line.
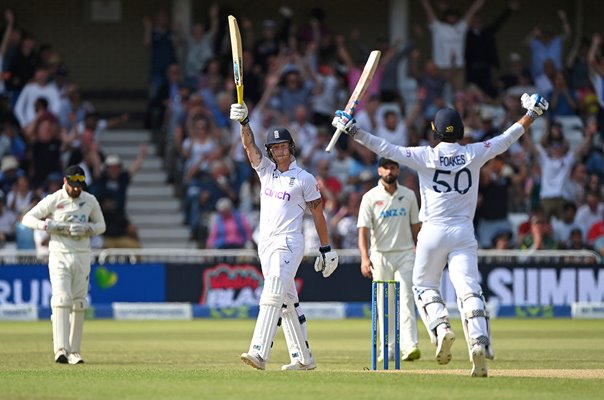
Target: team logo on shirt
{"points": [[291, 181], [379, 203]]}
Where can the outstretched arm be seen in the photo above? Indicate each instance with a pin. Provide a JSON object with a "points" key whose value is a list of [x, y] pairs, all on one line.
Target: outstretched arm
{"points": [[473, 10], [429, 11], [10, 18]]}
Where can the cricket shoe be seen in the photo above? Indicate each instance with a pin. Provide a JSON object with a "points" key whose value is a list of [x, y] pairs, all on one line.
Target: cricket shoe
{"points": [[75, 358], [253, 360], [444, 341], [479, 361], [411, 355], [298, 366], [61, 356]]}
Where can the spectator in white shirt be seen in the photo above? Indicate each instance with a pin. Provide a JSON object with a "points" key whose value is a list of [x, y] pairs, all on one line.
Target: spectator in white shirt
{"points": [[39, 87]]}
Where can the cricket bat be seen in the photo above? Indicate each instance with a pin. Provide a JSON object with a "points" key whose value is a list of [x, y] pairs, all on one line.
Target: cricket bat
{"points": [[237, 52], [359, 90]]}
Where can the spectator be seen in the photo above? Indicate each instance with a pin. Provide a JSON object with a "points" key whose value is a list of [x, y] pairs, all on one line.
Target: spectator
{"points": [[562, 100], [121, 232], [229, 229], [448, 41], [545, 45], [344, 222], [200, 46], [73, 108], [562, 227], [9, 173], [22, 66], [46, 147], [25, 110], [516, 76], [502, 240], [11, 143], [270, 40], [20, 197], [589, 213], [7, 222], [305, 131], [329, 186], [540, 236], [167, 97], [162, 42], [574, 190], [575, 241], [545, 80], [481, 49], [114, 181], [10, 19]]}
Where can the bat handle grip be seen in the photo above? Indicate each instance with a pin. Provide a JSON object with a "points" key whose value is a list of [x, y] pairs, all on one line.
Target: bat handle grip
{"points": [[334, 140], [240, 94]]}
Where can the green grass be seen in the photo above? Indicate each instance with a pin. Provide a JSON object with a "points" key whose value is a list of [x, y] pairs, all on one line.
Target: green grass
{"points": [[536, 359]]}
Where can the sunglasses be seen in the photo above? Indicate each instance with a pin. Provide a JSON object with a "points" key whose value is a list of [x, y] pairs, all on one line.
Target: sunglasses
{"points": [[76, 178]]}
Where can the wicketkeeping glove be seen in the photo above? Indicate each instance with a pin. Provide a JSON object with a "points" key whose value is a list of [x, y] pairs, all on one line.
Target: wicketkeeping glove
{"points": [[78, 230], [56, 227], [239, 113], [327, 262], [534, 104], [345, 123]]}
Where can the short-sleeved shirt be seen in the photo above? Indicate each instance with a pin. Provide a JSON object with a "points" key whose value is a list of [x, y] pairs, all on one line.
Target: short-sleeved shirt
{"points": [[555, 173], [283, 198], [389, 217]]}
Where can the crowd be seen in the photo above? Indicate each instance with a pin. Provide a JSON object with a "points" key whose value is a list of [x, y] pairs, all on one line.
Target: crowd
{"points": [[297, 71]]}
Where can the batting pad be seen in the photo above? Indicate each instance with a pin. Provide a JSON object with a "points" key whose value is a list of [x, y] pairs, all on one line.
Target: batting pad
{"points": [[271, 301], [61, 307], [77, 324], [294, 336]]}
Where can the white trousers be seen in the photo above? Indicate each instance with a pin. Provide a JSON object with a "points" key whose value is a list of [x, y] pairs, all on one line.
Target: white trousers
{"points": [[281, 256], [69, 274], [397, 266]]}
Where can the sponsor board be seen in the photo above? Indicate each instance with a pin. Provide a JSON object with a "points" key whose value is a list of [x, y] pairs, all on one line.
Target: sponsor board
{"points": [[19, 312], [156, 311]]}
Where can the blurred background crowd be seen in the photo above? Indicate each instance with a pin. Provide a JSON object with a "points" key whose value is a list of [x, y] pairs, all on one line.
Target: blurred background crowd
{"points": [[544, 193]]}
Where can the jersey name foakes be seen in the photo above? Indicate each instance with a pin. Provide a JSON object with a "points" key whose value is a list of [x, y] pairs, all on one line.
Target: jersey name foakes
{"points": [[453, 160]]}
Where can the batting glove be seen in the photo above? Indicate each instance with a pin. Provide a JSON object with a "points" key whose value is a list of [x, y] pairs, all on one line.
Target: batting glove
{"points": [[239, 113], [78, 230], [535, 105], [327, 262], [54, 227], [344, 122]]}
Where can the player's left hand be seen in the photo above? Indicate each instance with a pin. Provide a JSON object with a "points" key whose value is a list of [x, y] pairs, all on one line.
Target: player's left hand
{"points": [[327, 262], [534, 103], [78, 230], [345, 123]]}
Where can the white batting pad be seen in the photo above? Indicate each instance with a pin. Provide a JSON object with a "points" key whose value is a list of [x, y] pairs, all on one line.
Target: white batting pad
{"points": [[295, 337], [77, 325], [271, 301]]}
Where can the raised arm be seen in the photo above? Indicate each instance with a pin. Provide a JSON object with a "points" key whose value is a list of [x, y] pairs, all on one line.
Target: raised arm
{"points": [[594, 67], [239, 113], [429, 11], [138, 161], [10, 18], [473, 10], [566, 32]]}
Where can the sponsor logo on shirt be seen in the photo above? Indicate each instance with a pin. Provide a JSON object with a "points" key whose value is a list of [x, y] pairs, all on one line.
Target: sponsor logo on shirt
{"points": [[379, 203], [393, 212], [283, 195]]}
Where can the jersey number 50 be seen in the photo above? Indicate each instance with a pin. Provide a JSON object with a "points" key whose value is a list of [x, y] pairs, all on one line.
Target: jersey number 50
{"points": [[446, 187]]}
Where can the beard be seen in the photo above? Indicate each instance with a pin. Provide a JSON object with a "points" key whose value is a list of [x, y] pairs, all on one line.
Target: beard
{"points": [[389, 179]]}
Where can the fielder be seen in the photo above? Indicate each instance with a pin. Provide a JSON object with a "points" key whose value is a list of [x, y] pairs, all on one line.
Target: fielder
{"points": [[71, 216], [389, 215], [448, 178], [286, 192]]}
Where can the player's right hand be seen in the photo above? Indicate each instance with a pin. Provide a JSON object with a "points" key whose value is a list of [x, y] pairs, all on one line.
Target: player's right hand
{"points": [[367, 268], [327, 262], [56, 226], [344, 122], [534, 103], [238, 112]]}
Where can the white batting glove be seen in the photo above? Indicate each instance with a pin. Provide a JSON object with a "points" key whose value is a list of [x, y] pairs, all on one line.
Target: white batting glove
{"points": [[345, 123], [56, 227], [78, 230], [239, 113], [327, 262], [534, 104]]}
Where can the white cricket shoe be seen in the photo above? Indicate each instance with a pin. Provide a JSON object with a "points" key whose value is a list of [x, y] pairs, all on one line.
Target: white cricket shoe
{"points": [[444, 341], [61, 356], [479, 361], [412, 354], [298, 366], [75, 358], [253, 360]]}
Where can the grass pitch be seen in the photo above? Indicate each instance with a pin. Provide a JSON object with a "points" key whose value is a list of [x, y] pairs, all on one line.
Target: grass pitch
{"points": [[536, 359]]}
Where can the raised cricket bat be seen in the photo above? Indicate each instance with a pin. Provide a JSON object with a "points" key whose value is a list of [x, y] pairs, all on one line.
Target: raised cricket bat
{"points": [[237, 51], [359, 90]]}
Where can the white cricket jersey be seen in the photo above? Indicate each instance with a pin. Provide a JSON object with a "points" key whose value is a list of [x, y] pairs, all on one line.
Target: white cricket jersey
{"points": [[59, 206], [389, 217], [283, 198], [448, 173]]}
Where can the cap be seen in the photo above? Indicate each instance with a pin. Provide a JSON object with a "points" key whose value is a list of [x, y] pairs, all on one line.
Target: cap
{"points": [[385, 161], [9, 162], [75, 175], [113, 159], [447, 123], [279, 135]]}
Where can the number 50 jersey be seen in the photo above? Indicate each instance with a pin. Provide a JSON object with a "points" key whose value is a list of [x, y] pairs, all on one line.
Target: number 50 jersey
{"points": [[448, 173]]}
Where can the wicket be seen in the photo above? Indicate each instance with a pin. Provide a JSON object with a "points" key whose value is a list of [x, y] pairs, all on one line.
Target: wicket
{"points": [[374, 322]]}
